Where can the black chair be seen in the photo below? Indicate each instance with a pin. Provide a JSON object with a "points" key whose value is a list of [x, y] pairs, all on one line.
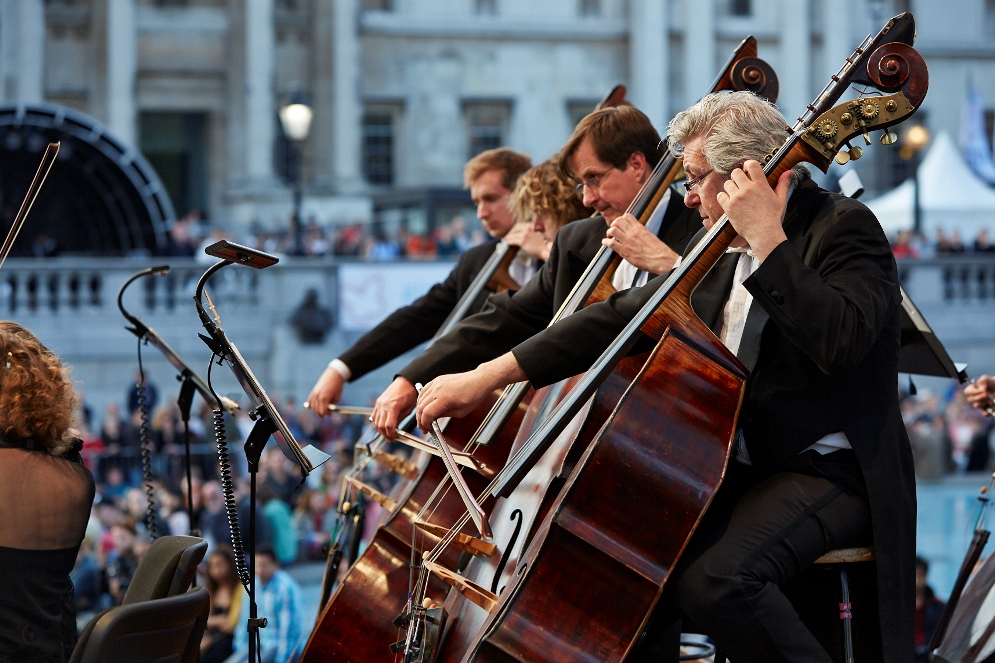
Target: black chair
{"points": [[167, 569], [167, 630]]}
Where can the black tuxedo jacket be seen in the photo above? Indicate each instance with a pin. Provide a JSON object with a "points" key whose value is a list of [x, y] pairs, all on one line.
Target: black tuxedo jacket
{"points": [[410, 326], [510, 318], [825, 360]]}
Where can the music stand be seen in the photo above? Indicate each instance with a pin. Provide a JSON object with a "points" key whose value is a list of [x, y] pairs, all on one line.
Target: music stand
{"points": [[268, 421]]}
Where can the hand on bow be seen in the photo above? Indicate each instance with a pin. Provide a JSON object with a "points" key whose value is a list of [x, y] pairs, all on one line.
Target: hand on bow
{"points": [[393, 404], [457, 395], [981, 392], [326, 391]]}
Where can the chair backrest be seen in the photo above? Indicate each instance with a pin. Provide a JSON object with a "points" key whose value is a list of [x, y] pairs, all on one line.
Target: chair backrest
{"points": [[167, 569], [167, 630]]}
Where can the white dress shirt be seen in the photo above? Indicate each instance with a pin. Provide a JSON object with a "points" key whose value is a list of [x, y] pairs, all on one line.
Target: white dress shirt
{"points": [[522, 268], [734, 315], [627, 272]]}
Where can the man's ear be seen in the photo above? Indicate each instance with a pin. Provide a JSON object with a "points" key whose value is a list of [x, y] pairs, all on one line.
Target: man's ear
{"points": [[641, 167]]}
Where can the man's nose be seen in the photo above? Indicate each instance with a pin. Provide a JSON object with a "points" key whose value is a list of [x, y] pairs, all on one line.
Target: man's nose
{"points": [[481, 211], [537, 226], [691, 199], [590, 196]]}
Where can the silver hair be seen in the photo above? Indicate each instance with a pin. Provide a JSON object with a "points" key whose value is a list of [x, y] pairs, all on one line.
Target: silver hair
{"points": [[736, 126]]}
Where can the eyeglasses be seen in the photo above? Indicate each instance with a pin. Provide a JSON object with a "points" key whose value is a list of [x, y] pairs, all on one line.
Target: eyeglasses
{"points": [[593, 182], [690, 184]]}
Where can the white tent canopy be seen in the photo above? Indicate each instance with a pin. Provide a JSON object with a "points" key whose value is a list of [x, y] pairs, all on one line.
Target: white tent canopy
{"points": [[951, 197]]}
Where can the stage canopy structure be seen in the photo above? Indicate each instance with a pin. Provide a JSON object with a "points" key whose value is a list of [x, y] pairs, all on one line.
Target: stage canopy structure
{"points": [[951, 197], [101, 198]]}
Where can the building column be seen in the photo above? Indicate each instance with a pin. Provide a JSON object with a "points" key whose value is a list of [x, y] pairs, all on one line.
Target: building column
{"points": [[122, 69], [699, 49], [795, 67], [649, 46], [837, 44], [260, 109], [346, 100], [22, 51]]}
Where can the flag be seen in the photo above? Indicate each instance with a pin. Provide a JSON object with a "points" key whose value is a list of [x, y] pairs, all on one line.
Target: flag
{"points": [[974, 138]]}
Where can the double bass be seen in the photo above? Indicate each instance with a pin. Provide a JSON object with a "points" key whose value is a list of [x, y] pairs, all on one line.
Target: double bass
{"points": [[597, 565], [443, 634]]}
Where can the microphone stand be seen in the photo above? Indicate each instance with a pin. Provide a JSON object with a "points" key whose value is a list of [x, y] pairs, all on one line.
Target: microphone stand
{"points": [[190, 382], [267, 420]]}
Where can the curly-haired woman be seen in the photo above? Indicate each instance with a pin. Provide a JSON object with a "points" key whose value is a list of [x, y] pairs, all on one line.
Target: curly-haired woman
{"points": [[45, 499], [545, 198]]}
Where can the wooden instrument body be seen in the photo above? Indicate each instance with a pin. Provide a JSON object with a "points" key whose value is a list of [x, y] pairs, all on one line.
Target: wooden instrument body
{"points": [[357, 622], [515, 519], [597, 565]]}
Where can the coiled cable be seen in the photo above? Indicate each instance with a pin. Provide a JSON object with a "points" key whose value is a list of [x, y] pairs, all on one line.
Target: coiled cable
{"points": [[227, 485], [146, 441]]}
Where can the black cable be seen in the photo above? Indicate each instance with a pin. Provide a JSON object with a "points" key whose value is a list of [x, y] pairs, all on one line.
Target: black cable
{"points": [[193, 530], [143, 429], [227, 487]]}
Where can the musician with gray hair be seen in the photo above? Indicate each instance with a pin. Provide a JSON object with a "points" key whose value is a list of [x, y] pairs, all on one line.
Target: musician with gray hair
{"points": [[807, 297]]}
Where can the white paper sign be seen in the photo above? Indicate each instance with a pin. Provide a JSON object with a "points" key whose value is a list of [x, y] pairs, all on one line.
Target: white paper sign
{"points": [[369, 292]]}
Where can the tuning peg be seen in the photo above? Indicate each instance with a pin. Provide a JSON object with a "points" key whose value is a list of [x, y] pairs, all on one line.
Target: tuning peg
{"points": [[889, 138], [852, 154]]}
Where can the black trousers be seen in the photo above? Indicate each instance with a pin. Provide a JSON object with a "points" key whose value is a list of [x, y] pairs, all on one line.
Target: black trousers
{"points": [[759, 532]]}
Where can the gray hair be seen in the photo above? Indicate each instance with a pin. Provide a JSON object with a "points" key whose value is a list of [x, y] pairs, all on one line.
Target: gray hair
{"points": [[736, 126]]}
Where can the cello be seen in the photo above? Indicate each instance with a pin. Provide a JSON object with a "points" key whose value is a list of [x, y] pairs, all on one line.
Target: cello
{"points": [[595, 570], [479, 582]]}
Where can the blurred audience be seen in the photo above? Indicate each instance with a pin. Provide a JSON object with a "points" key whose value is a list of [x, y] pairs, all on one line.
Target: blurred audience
{"points": [[929, 609], [221, 580], [279, 598]]}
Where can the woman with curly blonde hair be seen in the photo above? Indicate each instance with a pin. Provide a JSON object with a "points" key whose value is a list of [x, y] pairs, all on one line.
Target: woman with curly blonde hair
{"points": [[45, 499], [547, 200]]}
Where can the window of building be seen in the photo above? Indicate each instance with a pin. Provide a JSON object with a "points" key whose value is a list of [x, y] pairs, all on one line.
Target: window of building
{"points": [[989, 18], [740, 8], [378, 5], [590, 7], [175, 144], [578, 109], [486, 6], [378, 146], [487, 125]]}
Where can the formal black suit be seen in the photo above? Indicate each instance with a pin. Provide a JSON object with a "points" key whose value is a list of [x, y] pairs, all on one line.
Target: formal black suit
{"points": [[509, 318], [410, 326], [825, 361]]}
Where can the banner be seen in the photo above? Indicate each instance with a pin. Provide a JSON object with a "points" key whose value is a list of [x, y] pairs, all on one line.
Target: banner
{"points": [[369, 292]]}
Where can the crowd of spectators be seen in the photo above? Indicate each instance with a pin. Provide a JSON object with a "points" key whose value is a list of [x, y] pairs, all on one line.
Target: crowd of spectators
{"points": [[190, 235], [948, 436], [910, 244], [295, 520]]}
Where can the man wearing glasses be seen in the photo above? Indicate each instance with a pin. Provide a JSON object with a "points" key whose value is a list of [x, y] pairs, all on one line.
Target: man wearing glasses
{"points": [[612, 153], [807, 297]]}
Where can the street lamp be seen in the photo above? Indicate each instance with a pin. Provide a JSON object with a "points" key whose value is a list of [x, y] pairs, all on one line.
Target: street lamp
{"points": [[296, 118], [914, 139]]}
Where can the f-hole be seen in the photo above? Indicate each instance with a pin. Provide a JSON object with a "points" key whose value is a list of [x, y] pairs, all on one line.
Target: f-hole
{"points": [[507, 551]]}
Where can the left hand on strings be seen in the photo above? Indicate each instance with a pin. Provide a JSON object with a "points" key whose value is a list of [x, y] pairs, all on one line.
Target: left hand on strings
{"points": [[631, 240], [756, 210]]}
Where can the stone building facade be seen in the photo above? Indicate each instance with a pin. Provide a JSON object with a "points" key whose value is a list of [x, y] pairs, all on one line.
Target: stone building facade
{"points": [[404, 91]]}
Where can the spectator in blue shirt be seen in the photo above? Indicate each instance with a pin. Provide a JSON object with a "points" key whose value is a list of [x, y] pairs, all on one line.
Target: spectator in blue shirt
{"points": [[278, 598]]}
